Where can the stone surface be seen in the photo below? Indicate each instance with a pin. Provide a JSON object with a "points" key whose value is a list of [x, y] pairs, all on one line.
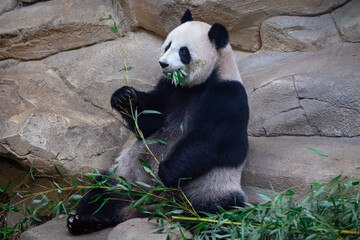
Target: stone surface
{"points": [[47, 122], [285, 162], [55, 114], [7, 5], [99, 69], [141, 228], [311, 94], [289, 33], [56, 230], [133, 229], [242, 18], [347, 19], [59, 25]]}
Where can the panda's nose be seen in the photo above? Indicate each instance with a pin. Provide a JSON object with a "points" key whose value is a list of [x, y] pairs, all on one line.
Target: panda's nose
{"points": [[163, 65]]}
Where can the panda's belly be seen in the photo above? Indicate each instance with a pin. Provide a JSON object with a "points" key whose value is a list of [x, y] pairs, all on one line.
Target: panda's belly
{"points": [[170, 133]]}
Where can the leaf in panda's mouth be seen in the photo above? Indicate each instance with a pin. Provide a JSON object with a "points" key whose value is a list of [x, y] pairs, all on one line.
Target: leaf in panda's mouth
{"points": [[177, 77]]}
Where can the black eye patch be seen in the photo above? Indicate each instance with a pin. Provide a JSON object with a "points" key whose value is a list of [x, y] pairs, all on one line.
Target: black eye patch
{"points": [[168, 46], [185, 56]]}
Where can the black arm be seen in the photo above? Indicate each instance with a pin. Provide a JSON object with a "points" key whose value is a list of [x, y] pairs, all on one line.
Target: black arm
{"points": [[140, 101], [216, 137]]}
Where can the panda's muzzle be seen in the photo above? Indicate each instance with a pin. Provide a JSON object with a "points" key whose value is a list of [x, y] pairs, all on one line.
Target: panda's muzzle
{"points": [[163, 65]]}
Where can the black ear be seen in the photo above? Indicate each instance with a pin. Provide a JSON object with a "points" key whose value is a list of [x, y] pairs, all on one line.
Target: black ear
{"points": [[187, 17], [219, 35]]}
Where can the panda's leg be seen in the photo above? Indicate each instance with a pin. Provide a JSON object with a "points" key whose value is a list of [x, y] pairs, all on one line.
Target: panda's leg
{"points": [[100, 209], [227, 202]]}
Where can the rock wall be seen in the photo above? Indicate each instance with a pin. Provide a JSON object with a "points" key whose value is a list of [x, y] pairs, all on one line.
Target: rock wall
{"points": [[299, 60]]}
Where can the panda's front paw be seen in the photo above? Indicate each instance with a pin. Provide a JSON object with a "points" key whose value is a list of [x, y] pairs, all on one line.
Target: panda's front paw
{"points": [[122, 98]]}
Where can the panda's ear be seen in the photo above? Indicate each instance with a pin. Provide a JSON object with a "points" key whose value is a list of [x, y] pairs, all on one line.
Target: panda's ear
{"points": [[219, 35], [186, 17]]}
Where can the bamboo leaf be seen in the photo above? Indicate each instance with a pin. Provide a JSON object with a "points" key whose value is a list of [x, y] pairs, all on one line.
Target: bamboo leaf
{"points": [[143, 184], [161, 141], [316, 151], [58, 171], [150, 112], [102, 204]]}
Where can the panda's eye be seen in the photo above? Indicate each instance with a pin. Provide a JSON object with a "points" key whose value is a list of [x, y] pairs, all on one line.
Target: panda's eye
{"points": [[168, 46], [184, 51], [185, 55]]}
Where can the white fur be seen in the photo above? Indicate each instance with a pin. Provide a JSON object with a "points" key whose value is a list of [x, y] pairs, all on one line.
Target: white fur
{"points": [[204, 56], [218, 182]]}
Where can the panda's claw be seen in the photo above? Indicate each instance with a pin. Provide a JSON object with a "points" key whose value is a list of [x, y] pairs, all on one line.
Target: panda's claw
{"points": [[78, 224]]}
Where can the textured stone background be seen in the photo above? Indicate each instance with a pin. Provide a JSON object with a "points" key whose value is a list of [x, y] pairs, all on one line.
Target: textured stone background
{"points": [[299, 60]]}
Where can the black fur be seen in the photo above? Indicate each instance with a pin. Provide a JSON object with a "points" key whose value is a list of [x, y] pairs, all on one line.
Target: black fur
{"points": [[168, 46], [187, 16], [185, 55], [219, 35]]}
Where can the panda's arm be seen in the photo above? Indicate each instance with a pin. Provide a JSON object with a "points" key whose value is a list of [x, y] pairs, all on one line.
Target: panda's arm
{"points": [[141, 101], [216, 137]]}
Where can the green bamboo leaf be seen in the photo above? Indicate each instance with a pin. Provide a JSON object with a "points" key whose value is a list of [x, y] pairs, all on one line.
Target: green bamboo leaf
{"points": [[336, 178], [126, 69], [102, 204], [36, 202], [143, 184], [320, 190], [143, 199], [150, 112], [289, 192], [316, 151], [182, 127], [177, 211], [8, 184], [159, 212], [161, 141], [183, 72], [74, 182], [264, 197], [158, 231], [44, 196], [31, 171], [76, 197], [58, 171], [59, 188]]}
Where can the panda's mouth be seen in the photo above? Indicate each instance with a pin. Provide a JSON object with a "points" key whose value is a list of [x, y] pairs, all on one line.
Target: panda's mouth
{"points": [[177, 77]]}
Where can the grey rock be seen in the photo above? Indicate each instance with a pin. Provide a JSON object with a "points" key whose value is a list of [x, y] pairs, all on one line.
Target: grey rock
{"points": [[242, 18], [58, 26], [347, 20], [290, 33], [285, 162], [7, 5], [33, 1], [54, 113], [100, 68], [141, 228], [49, 123], [308, 94], [133, 229], [56, 230]]}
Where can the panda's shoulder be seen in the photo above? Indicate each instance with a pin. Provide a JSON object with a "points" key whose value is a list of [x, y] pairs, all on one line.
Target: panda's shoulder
{"points": [[226, 88]]}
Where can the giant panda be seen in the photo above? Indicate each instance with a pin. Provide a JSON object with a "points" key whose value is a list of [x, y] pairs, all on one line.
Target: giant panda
{"points": [[204, 124]]}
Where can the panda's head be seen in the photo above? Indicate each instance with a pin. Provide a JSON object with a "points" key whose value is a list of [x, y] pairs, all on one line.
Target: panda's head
{"points": [[196, 48]]}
